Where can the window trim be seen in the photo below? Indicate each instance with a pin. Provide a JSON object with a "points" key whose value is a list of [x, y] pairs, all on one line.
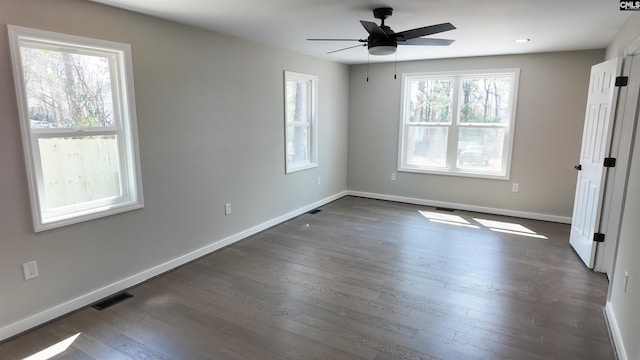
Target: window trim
{"points": [[125, 128], [450, 169], [312, 125]]}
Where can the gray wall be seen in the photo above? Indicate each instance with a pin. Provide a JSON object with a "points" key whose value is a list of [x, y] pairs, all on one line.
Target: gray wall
{"points": [[625, 37], [548, 131], [210, 119], [622, 306]]}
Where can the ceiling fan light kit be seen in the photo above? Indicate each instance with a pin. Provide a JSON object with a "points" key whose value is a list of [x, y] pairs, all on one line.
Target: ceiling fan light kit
{"points": [[382, 50], [384, 41], [382, 46]]}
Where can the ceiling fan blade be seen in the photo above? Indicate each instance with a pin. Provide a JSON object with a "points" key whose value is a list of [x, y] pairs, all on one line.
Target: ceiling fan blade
{"points": [[373, 29], [424, 31], [360, 40], [347, 48], [427, 41]]}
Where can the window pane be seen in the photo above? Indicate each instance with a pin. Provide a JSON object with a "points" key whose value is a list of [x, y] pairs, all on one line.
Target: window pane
{"points": [[298, 139], [298, 101], [79, 169], [66, 89], [481, 149], [485, 99], [426, 146], [429, 101]]}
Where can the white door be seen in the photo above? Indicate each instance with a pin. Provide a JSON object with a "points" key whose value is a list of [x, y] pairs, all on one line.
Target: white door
{"points": [[596, 140], [621, 147]]}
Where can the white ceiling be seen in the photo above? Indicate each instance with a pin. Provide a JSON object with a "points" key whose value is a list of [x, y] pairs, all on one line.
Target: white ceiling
{"points": [[484, 27]]}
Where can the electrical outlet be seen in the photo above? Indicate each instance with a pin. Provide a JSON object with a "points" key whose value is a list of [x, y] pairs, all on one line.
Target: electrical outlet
{"points": [[515, 187], [318, 180], [393, 176], [30, 270], [227, 209]]}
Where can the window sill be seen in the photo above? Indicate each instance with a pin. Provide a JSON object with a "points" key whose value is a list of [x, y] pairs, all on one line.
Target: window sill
{"points": [[292, 169], [460, 173], [53, 222]]}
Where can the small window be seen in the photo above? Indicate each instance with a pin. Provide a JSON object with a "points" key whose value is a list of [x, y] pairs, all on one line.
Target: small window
{"points": [[301, 122], [76, 105], [458, 124]]}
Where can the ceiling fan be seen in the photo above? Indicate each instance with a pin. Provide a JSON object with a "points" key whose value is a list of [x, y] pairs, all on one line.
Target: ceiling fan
{"points": [[384, 41]]}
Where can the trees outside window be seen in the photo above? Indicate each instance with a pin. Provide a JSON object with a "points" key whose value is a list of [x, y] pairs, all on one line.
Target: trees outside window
{"points": [[77, 114], [459, 123]]}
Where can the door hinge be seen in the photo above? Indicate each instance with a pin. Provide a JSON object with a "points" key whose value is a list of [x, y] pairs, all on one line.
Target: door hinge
{"points": [[609, 162], [622, 81], [598, 237]]}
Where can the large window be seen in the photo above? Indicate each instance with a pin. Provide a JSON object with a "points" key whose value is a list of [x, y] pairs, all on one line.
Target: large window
{"points": [[458, 124], [76, 105], [300, 121]]}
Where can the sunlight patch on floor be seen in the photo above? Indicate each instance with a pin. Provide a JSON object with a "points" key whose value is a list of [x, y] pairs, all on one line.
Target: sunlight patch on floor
{"points": [[509, 228], [54, 349], [533, 235], [493, 225], [504, 225], [454, 223], [448, 219]]}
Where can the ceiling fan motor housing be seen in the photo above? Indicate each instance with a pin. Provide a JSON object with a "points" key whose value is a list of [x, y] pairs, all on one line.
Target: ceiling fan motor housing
{"points": [[379, 45]]}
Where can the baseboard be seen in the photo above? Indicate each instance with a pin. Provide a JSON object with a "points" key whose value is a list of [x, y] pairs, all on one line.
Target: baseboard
{"points": [[614, 332], [480, 209], [52, 313]]}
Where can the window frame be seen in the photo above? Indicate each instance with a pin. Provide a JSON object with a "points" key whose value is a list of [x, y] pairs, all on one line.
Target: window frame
{"points": [[311, 125], [124, 128], [454, 126]]}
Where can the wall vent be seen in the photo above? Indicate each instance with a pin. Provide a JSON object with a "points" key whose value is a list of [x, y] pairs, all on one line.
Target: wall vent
{"points": [[111, 300]]}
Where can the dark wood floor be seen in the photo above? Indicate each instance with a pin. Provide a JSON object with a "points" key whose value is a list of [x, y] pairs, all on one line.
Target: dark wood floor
{"points": [[362, 279]]}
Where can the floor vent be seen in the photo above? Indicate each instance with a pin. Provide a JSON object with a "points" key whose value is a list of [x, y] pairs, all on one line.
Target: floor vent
{"points": [[445, 209], [314, 211], [110, 301]]}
